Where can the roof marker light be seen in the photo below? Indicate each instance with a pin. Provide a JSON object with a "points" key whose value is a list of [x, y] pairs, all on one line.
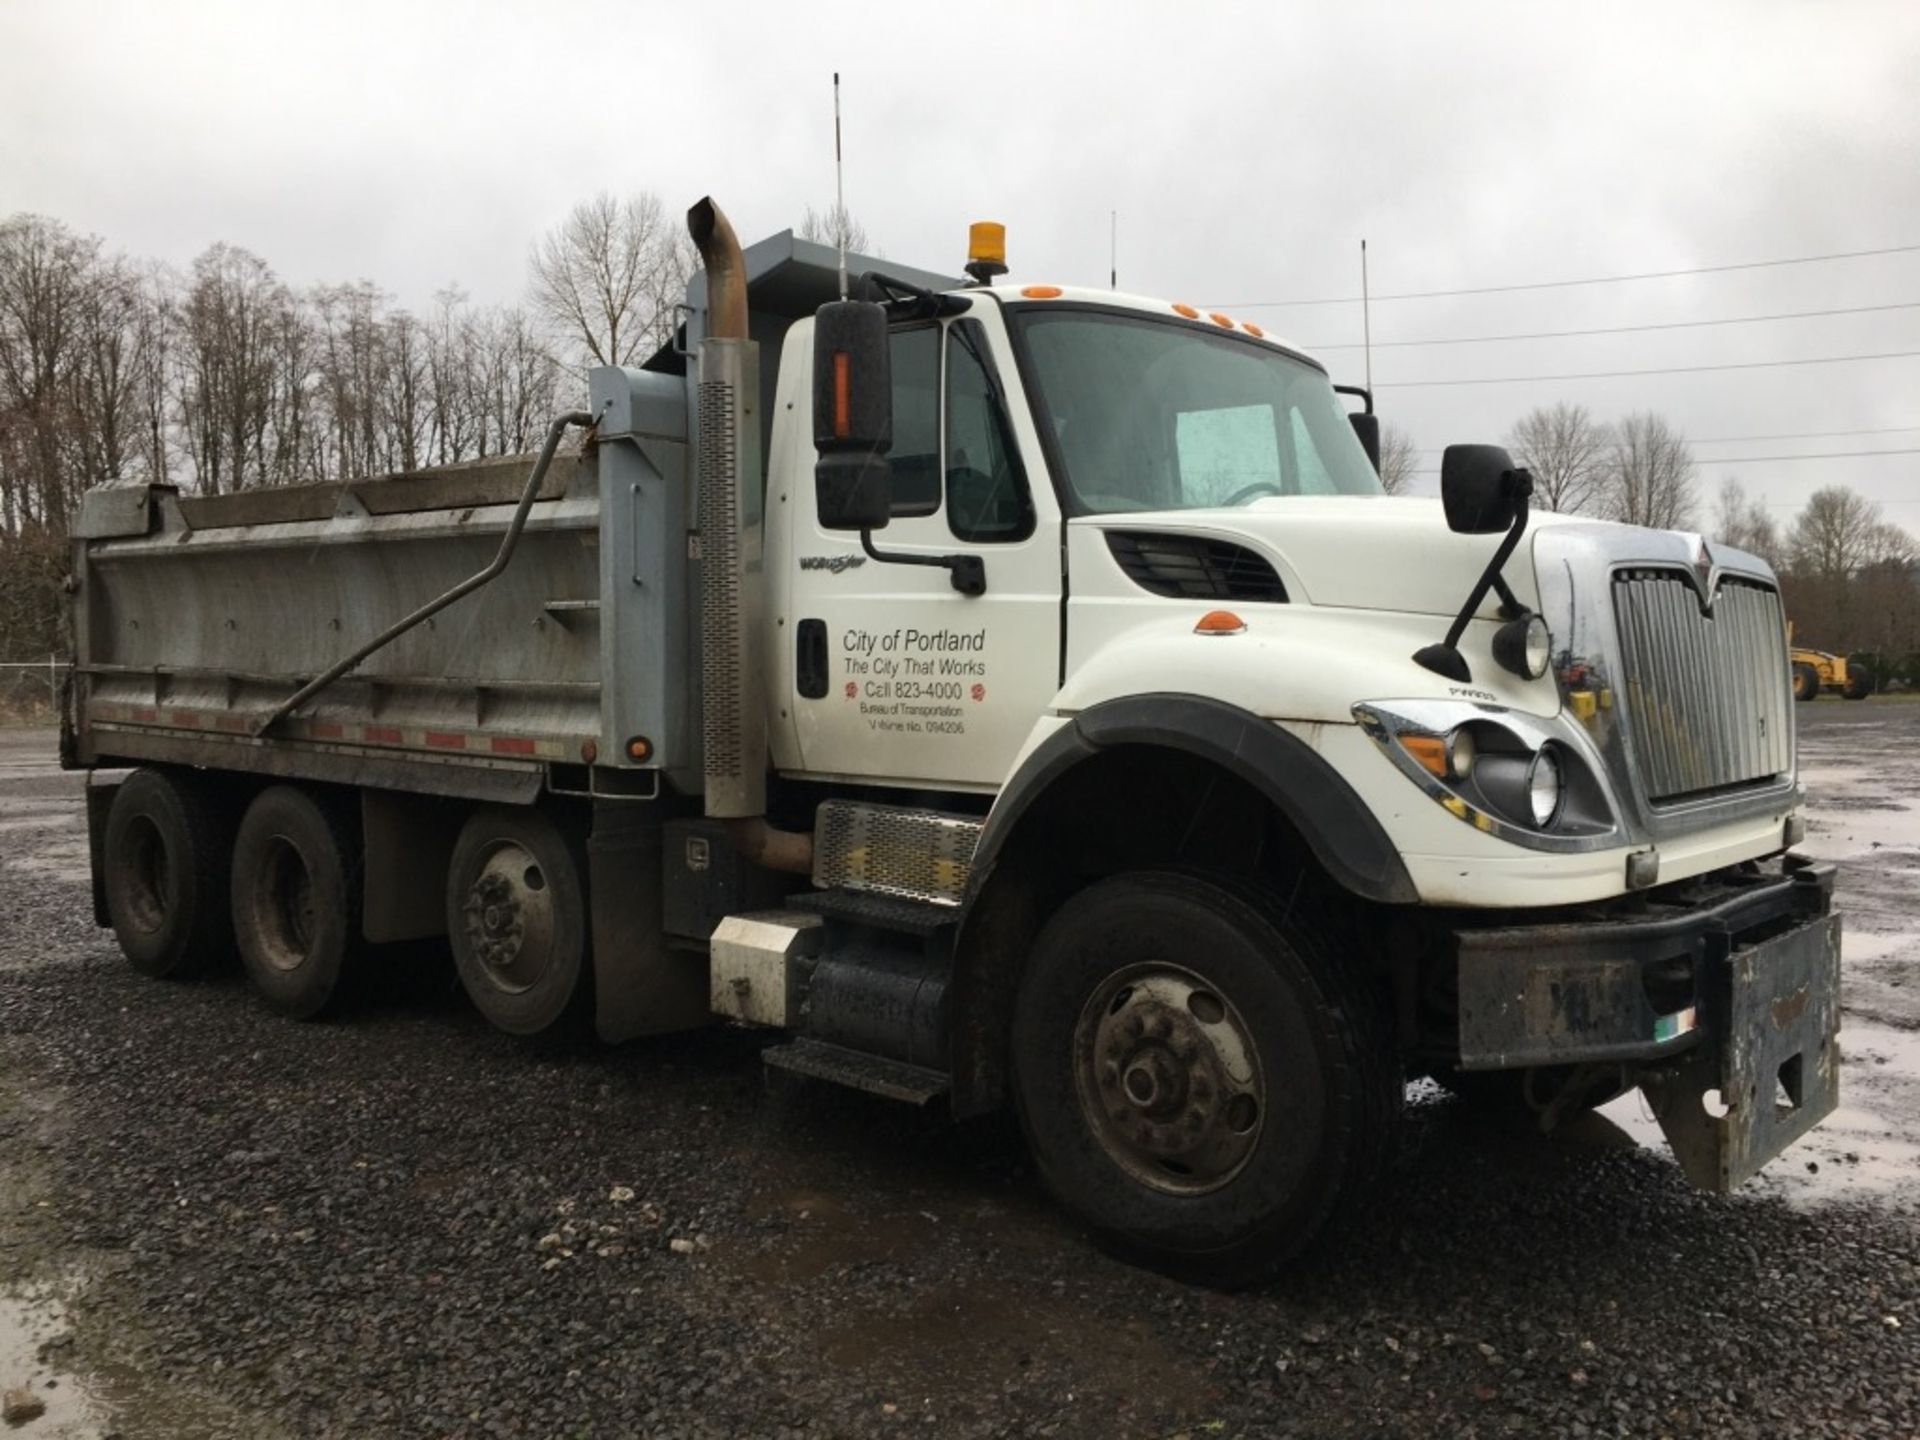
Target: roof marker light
{"points": [[1040, 292], [1253, 329], [1186, 310], [1225, 322]]}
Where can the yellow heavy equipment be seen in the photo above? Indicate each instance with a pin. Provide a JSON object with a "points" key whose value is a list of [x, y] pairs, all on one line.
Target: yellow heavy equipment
{"points": [[1815, 671]]}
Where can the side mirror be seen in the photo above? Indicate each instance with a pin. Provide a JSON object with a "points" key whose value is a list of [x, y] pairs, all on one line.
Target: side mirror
{"points": [[852, 415], [1367, 427], [1482, 491]]}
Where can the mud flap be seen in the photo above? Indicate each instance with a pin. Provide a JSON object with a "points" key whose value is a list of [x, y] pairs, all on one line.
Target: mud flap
{"points": [[1773, 1009]]}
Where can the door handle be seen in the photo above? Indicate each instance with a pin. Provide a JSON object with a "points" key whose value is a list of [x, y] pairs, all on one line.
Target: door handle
{"points": [[810, 659]]}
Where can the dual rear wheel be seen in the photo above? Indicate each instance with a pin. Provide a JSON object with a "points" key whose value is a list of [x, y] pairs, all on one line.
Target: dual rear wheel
{"points": [[186, 886]]}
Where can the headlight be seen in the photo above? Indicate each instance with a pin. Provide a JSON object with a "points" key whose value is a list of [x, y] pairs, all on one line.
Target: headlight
{"points": [[1523, 646], [1544, 789]]}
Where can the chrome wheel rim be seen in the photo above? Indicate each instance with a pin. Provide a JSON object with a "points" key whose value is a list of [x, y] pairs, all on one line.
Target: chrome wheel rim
{"points": [[1169, 1078]]}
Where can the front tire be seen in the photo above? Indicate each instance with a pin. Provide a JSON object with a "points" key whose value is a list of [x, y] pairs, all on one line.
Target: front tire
{"points": [[166, 853], [296, 898], [1859, 682], [1806, 681], [517, 918], [1199, 1080]]}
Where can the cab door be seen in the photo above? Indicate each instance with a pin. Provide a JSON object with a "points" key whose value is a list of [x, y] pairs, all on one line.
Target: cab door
{"points": [[894, 676]]}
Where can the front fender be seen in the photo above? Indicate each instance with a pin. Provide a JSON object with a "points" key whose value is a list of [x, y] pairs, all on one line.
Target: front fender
{"points": [[1345, 837]]}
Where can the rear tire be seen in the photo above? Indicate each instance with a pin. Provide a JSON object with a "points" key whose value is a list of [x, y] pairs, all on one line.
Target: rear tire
{"points": [[166, 854], [1806, 681], [517, 918], [1859, 682], [1197, 1078], [296, 898]]}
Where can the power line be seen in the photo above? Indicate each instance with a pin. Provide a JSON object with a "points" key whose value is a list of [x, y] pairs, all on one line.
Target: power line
{"points": [[1623, 329], [1762, 459], [1828, 455], [1588, 280], [1748, 439], [1661, 370]]}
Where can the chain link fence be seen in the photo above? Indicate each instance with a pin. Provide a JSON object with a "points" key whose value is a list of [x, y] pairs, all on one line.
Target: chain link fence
{"points": [[30, 690]]}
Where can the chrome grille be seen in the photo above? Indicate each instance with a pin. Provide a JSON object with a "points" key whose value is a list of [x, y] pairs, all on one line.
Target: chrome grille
{"points": [[1708, 701]]}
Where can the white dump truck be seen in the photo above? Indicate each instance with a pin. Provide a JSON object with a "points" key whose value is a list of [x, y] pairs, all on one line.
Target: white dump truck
{"points": [[1015, 694]]}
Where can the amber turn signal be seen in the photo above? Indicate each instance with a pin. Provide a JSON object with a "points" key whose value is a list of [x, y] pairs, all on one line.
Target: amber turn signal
{"points": [[639, 748]]}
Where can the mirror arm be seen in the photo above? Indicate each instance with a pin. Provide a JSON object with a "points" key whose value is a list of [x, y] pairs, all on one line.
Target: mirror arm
{"points": [[968, 572], [1445, 658], [1510, 606]]}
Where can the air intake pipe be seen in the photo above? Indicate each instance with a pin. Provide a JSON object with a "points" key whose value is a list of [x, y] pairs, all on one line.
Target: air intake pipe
{"points": [[731, 505]]}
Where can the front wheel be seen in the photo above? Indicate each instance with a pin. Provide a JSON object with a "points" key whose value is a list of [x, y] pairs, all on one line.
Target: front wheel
{"points": [[1806, 681], [1859, 682], [1199, 1080]]}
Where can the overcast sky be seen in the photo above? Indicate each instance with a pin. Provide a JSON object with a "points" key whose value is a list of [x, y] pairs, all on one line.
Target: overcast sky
{"points": [[1247, 150]]}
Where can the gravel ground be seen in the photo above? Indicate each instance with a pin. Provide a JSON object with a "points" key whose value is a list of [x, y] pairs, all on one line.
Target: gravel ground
{"points": [[214, 1223]]}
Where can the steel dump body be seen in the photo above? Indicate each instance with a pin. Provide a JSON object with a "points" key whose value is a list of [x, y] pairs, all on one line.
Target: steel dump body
{"points": [[197, 617]]}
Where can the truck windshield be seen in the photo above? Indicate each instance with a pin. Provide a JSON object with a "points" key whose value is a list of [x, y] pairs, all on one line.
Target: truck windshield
{"points": [[1154, 415]]}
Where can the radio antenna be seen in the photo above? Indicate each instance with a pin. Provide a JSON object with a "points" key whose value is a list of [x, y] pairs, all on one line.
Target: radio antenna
{"points": [[1113, 250], [1366, 315], [839, 189]]}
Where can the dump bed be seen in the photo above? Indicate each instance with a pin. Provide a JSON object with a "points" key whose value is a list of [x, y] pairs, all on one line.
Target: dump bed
{"points": [[196, 618]]}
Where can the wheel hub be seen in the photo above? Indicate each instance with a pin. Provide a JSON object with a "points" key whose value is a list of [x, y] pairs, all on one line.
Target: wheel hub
{"points": [[509, 919], [1169, 1078]]}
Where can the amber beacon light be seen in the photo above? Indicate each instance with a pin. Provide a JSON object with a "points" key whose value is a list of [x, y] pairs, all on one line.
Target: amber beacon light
{"points": [[986, 250]]}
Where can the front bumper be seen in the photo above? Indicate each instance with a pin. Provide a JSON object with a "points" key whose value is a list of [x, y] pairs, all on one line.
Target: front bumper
{"points": [[1722, 1005]]}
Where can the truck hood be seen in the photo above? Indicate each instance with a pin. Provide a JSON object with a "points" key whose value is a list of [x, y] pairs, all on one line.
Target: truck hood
{"points": [[1360, 552]]}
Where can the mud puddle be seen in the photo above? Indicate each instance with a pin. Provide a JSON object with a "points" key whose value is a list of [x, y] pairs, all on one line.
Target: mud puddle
{"points": [[36, 1347], [1856, 1153]]}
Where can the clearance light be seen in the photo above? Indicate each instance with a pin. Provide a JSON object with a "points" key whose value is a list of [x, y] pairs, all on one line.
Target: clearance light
{"points": [[1220, 622], [1040, 292], [1253, 330], [639, 748], [1225, 322], [1186, 310]]}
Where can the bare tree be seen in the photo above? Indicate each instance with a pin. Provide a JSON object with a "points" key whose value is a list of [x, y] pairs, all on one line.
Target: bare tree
{"points": [[233, 319], [1567, 450], [1745, 523], [607, 276], [1649, 477], [1845, 561], [835, 227], [1839, 531], [1399, 460], [44, 278]]}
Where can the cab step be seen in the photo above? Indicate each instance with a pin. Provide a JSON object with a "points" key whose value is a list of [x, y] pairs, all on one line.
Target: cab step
{"points": [[857, 1070], [891, 914]]}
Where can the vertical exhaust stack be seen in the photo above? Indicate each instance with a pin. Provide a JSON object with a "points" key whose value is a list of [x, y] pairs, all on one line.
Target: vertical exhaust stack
{"points": [[731, 499]]}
